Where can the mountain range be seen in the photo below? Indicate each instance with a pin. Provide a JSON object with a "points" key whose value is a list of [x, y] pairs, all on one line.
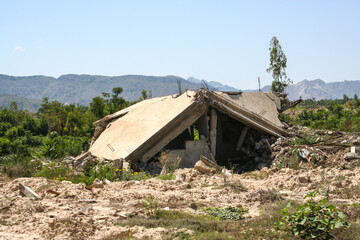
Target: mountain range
{"points": [[318, 89], [81, 89]]}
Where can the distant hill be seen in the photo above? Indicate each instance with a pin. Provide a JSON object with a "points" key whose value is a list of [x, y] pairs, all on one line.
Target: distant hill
{"points": [[213, 85], [319, 89], [32, 105], [81, 89], [71, 88]]}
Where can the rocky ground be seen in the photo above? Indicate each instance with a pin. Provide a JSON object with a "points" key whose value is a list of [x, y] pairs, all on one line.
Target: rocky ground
{"points": [[72, 211]]}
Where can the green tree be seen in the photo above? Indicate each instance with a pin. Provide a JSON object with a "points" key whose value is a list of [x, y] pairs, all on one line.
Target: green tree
{"points": [[97, 106], [117, 103], [13, 106], [356, 97], [277, 66], [143, 95]]}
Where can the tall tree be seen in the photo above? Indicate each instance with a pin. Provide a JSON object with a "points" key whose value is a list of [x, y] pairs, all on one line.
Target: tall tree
{"points": [[277, 66], [97, 107]]}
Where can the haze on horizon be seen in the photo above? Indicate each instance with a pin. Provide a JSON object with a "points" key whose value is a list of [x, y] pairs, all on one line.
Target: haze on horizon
{"points": [[224, 41]]}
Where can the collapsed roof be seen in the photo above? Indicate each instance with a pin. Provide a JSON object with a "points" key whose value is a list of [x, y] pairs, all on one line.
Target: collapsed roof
{"points": [[140, 131]]}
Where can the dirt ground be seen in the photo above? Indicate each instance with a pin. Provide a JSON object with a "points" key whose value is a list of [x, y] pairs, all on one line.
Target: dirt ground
{"points": [[70, 211]]}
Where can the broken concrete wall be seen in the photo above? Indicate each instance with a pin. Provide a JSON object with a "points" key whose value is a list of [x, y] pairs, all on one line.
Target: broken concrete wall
{"points": [[191, 154]]}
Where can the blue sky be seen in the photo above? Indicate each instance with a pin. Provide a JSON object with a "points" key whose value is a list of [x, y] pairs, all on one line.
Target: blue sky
{"points": [[225, 41]]}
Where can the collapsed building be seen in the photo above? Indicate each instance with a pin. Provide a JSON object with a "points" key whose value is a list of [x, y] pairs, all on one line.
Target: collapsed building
{"points": [[234, 128]]}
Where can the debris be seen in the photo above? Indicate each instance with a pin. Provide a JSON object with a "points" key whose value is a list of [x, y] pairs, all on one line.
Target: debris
{"points": [[2, 179], [203, 168], [105, 181], [210, 163], [193, 206], [304, 153], [87, 200], [85, 209], [351, 156], [78, 160], [26, 191], [304, 179], [53, 192], [97, 183], [352, 149], [180, 177], [226, 172]]}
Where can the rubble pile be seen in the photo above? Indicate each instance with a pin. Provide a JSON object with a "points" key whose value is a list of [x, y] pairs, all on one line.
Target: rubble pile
{"points": [[38, 208], [308, 148]]}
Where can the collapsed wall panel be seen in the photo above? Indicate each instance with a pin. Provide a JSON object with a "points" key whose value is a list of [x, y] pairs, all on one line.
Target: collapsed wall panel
{"points": [[148, 124]]}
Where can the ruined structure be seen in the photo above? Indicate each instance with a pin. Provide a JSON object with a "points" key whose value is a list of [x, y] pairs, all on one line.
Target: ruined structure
{"points": [[234, 128]]}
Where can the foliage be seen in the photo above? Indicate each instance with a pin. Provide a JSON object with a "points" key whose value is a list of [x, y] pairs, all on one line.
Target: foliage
{"points": [[54, 171], [228, 213], [312, 219], [333, 117], [69, 129], [62, 146], [167, 176], [15, 166], [150, 205], [304, 139], [5, 145], [277, 66], [127, 174]]}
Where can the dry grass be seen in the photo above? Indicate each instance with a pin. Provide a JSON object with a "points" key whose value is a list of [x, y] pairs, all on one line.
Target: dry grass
{"points": [[169, 162]]}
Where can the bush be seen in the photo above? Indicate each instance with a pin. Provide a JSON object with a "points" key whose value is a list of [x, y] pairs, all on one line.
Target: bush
{"points": [[312, 219], [168, 176], [150, 205], [31, 140], [228, 213], [19, 166], [5, 145], [62, 146], [127, 174], [53, 171]]}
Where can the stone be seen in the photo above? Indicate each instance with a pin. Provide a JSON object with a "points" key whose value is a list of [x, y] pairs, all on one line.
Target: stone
{"points": [[304, 179], [203, 168], [97, 183], [351, 156], [26, 191]]}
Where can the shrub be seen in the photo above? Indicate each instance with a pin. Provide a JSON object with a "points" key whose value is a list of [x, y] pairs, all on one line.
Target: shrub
{"points": [[312, 219], [168, 176], [150, 205], [53, 171], [127, 174], [5, 145], [228, 213], [62, 146], [19, 166]]}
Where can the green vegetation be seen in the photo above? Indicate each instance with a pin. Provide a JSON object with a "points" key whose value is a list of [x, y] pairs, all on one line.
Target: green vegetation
{"points": [[260, 227], [54, 132], [167, 176], [335, 115], [228, 213], [209, 227], [312, 220], [150, 205]]}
